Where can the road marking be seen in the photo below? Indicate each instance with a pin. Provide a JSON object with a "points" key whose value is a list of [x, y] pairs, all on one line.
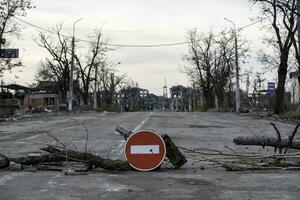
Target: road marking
{"points": [[144, 149], [33, 137], [118, 152], [142, 123]]}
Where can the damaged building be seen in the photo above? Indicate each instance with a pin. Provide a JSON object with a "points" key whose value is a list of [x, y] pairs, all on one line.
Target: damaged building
{"points": [[182, 99], [44, 95], [138, 99]]}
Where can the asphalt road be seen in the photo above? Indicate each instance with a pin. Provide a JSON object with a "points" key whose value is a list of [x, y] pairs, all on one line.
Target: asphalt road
{"points": [[190, 130]]}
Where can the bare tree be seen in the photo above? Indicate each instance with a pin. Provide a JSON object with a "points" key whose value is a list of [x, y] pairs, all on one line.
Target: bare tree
{"points": [[57, 66], [88, 67], [225, 64], [283, 15], [8, 10], [200, 60], [211, 64], [109, 83]]}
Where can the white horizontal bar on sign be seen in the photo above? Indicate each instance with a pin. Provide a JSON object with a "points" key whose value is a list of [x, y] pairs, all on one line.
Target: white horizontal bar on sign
{"points": [[144, 149]]}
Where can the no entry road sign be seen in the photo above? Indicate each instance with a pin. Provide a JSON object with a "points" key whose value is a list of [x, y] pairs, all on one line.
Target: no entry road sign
{"points": [[145, 150]]}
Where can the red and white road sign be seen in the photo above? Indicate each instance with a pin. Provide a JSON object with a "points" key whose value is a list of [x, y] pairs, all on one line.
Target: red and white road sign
{"points": [[145, 150]]}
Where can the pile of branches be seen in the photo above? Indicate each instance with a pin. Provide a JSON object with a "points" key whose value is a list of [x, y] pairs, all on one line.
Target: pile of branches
{"points": [[55, 157], [59, 156], [234, 161]]}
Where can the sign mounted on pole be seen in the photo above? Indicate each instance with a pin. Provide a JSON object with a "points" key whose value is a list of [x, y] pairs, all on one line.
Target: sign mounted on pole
{"points": [[271, 87], [145, 150], [9, 53]]}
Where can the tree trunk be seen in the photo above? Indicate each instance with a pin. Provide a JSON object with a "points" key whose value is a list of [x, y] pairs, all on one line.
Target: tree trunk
{"points": [[209, 100], [280, 92], [266, 141], [220, 92], [85, 96], [58, 155]]}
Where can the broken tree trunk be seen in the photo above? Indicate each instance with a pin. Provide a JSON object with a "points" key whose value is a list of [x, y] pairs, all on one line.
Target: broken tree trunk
{"points": [[93, 160], [277, 143], [59, 155], [267, 141], [35, 160]]}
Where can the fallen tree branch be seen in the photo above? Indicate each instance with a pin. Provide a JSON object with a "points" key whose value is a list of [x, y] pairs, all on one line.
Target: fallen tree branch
{"points": [[57, 155], [244, 162], [267, 141], [278, 134], [291, 138], [96, 161]]}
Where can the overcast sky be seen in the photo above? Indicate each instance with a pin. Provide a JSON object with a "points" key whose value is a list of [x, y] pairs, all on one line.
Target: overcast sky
{"points": [[136, 22]]}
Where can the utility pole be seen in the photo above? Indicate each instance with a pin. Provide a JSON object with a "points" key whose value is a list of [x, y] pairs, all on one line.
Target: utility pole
{"points": [[298, 18], [248, 84], [237, 93], [70, 100]]}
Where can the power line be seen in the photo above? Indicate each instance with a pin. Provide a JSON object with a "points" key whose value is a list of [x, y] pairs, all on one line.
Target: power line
{"points": [[133, 45], [251, 24]]}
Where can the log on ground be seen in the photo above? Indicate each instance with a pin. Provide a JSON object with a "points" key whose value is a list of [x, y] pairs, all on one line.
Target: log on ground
{"points": [[58, 155], [96, 161], [266, 141]]}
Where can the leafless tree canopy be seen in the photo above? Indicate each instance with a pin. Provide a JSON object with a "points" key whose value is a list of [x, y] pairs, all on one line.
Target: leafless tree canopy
{"points": [[283, 17], [92, 72], [211, 64], [56, 67], [88, 67], [8, 10]]}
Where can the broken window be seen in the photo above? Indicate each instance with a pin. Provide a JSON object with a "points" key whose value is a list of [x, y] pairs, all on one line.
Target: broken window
{"points": [[49, 101]]}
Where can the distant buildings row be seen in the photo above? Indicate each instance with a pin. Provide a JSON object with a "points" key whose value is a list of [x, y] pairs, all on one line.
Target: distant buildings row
{"points": [[45, 95]]}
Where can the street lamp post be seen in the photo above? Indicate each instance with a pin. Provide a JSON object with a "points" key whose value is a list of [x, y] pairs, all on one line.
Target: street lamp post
{"points": [[70, 100], [237, 93]]}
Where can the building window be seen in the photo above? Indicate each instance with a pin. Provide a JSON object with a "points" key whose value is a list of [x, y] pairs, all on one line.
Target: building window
{"points": [[49, 101]]}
